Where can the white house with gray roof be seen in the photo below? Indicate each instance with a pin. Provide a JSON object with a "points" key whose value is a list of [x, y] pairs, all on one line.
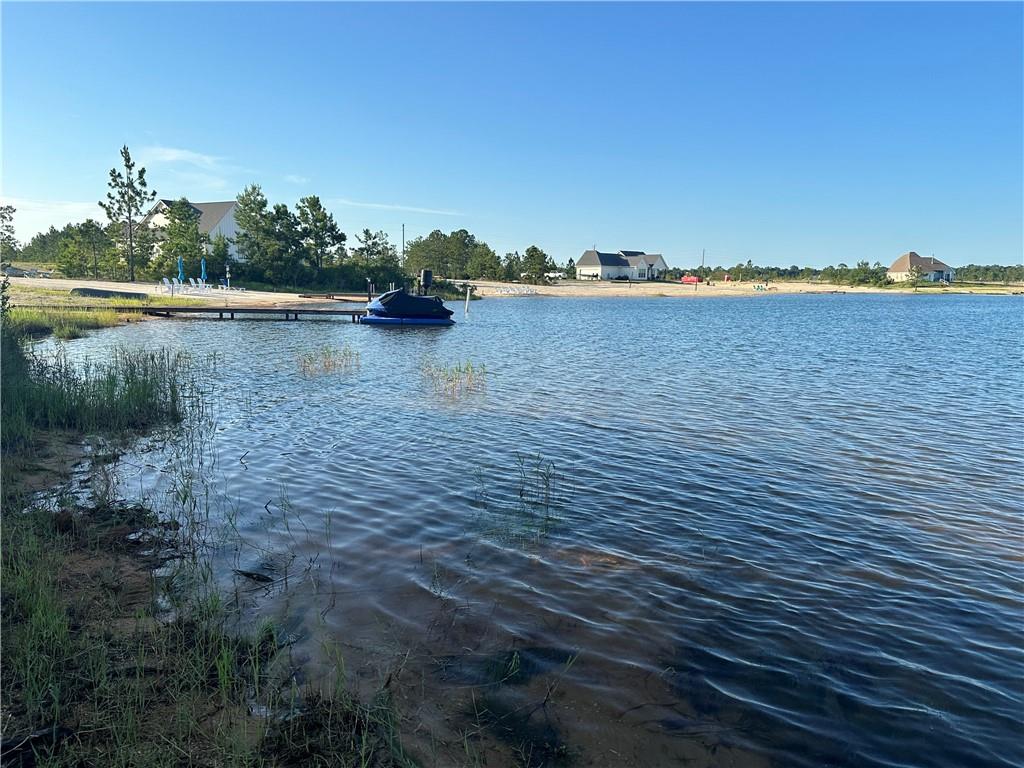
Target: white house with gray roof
{"points": [[631, 265], [217, 218]]}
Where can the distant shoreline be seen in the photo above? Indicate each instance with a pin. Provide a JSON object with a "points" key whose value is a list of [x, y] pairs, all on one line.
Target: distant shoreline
{"points": [[26, 291], [622, 289]]}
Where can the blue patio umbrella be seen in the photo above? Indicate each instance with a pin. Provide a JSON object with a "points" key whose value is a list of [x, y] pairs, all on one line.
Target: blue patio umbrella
{"points": [[202, 266], [181, 270]]}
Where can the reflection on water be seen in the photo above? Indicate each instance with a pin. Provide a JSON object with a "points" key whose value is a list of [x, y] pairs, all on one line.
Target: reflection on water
{"points": [[782, 531]]}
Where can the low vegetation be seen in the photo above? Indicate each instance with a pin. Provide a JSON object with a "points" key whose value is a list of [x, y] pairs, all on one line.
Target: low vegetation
{"points": [[64, 324], [454, 380], [94, 676], [134, 390], [861, 273], [329, 359], [520, 508], [97, 669]]}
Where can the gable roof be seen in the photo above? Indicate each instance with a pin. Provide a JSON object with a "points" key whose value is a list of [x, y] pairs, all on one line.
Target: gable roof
{"points": [[924, 263], [643, 259], [210, 214], [594, 258]]}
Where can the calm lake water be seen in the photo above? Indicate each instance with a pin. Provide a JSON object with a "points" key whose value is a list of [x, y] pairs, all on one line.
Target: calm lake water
{"points": [[778, 531]]}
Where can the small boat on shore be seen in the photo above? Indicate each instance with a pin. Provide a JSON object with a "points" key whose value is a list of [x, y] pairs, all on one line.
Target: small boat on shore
{"points": [[400, 308]]}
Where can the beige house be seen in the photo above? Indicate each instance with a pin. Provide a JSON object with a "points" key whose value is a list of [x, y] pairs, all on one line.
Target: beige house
{"points": [[624, 265], [928, 268], [216, 218]]}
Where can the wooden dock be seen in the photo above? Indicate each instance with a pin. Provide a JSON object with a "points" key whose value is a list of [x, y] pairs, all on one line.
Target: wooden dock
{"points": [[223, 313]]}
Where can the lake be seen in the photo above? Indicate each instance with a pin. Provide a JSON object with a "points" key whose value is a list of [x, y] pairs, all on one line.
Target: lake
{"points": [[783, 530]]}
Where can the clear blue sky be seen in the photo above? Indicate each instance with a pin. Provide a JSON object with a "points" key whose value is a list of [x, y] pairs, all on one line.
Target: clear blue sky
{"points": [[783, 133]]}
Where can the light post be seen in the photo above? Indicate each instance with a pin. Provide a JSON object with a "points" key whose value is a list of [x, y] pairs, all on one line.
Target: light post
{"points": [[227, 275]]}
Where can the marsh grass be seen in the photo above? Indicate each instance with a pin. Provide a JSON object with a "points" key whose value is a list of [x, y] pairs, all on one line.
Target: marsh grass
{"points": [[119, 648], [133, 390], [454, 380], [328, 359], [64, 324]]}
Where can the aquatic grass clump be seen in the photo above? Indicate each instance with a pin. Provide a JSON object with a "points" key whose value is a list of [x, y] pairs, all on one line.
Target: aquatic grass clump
{"points": [[455, 380], [133, 390], [64, 324], [521, 507], [327, 359]]}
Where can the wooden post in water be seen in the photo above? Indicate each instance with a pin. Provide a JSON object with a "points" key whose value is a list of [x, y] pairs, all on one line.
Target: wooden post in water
{"points": [[467, 300]]}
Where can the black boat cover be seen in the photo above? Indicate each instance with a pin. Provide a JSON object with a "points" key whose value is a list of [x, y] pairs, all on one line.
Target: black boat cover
{"points": [[401, 304]]}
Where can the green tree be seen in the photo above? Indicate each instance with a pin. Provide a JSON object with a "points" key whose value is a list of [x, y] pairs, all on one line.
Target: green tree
{"points": [[219, 257], [253, 219], [426, 253], [320, 233], [374, 247], [484, 263], [8, 242], [570, 269], [127, 196], [181, 239], [94, 240], [513, 266], [536, 263], [285, 262], [914, 274], [374, 259], [73, 258], [43, 247], [450, 255]]}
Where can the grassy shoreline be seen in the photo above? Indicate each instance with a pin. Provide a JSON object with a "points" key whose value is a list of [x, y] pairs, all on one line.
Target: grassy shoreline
{"points": [[117, 647]]}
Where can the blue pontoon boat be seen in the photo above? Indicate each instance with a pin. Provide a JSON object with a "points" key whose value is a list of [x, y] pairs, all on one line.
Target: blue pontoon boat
{"points": [[400, 308]]}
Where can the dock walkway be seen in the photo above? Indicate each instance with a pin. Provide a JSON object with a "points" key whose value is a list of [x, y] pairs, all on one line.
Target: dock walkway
{"points": [[223, 313]]}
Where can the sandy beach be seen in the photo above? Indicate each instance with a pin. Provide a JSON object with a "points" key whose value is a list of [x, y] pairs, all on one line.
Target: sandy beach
{"points": [[32, 290]]}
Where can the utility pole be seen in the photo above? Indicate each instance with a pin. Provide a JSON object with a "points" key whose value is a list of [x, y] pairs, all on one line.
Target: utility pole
{"points": [[701, 269], [403, 243]]}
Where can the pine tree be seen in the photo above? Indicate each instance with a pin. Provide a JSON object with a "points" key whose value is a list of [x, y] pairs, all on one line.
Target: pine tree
{"points": [[8, 242], [320, 232], [127, 196]]}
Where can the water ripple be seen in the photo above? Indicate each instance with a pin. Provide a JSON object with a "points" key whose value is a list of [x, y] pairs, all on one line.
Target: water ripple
{"points": [[789, 531]]}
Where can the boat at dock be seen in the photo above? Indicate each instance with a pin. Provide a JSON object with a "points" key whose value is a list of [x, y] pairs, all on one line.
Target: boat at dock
{"points": [[401, 308]]}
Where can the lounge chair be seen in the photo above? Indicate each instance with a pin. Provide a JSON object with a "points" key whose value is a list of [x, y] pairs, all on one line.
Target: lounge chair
{"points": [[167, 286]]}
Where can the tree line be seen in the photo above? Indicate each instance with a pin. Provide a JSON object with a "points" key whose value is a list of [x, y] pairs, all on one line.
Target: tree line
{"points": [[277, 245], [861, 273], [305, 247], [460, 255]]}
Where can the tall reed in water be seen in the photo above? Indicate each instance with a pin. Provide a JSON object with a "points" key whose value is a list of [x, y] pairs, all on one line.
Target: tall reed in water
{"points": [[454, 380], [326, 359], [133, 390]]}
